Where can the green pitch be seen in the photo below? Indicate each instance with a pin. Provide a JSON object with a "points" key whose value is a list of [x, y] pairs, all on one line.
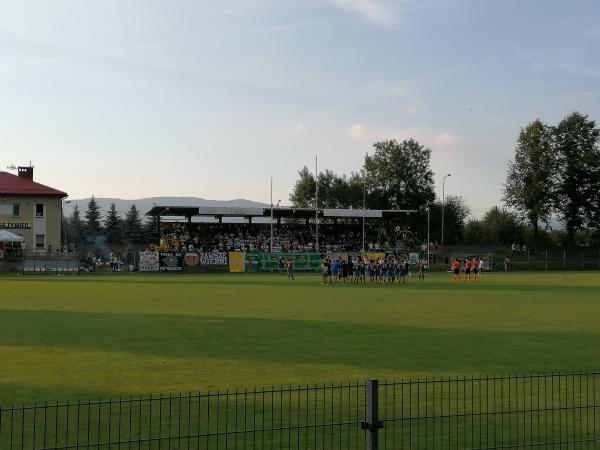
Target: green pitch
{"points": [[75, 337]]}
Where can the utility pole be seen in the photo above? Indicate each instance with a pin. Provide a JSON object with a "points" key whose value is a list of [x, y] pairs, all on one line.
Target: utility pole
{"points": [[428, 240], [316, 204], [443, 203], [271, 214], [363, 211]]}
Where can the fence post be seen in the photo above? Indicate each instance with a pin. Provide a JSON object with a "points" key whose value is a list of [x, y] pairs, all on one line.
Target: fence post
{"points": [[546, 259], [582, 259], [564, 259], [372, 425]]}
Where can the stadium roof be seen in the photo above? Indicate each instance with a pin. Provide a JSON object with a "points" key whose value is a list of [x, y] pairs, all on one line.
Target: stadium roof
{"points": [[278, 212], [15, 185]]}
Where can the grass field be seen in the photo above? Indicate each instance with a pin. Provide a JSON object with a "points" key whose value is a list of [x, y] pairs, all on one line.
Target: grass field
{"points": [[75, 337]]}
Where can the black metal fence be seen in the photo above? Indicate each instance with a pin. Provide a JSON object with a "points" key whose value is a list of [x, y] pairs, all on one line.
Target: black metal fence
{"points": [[532, 411], [41, 261], [583, 258]]}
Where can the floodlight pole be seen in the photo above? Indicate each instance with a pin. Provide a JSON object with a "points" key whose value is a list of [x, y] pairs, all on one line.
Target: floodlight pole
{"points": [[271, 214], [316, 204], [64, 222], [443, 203], [363, 211], [428, 239]]}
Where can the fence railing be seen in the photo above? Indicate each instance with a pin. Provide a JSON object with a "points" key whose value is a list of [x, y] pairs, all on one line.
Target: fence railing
{"points": [[40, 261], [524, 411], [583, 258]]}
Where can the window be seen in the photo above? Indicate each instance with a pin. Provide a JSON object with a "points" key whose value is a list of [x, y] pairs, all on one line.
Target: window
{"points": [[16, 209], [40, 240], [39, 210]]}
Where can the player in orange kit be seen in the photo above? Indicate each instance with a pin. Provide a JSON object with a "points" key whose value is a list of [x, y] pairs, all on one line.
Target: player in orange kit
{"points": [[456, 270]]}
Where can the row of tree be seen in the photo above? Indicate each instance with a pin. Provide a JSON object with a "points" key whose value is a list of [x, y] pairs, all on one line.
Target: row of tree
{"points": [[556, 173], [396, 176], [112, 229]]}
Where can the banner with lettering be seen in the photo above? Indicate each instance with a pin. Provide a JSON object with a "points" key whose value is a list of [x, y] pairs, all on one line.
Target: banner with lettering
{"points": [[301, 261], [413, 258], [149, 262], [171, 261], [252, 262], [214, 259], [14, 225], [373, 256]]}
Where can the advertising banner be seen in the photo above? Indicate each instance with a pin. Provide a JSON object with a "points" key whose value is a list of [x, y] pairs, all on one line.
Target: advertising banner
{"points": [[149, 262], [237, 262], [375, 256], [413, 258], [214, 259], [191, 260], [301, 261], [171, 261], [252, 262]]}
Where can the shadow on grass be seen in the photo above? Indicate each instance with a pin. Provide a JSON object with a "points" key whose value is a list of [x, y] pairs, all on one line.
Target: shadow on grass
{"points": [[365, 346]]}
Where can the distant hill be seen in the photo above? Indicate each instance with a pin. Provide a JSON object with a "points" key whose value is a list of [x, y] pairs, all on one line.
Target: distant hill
{"points": [[145, 204]]}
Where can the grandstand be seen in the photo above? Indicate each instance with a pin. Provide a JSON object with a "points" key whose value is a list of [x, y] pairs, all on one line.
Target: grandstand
{"points": [[282, 229]]}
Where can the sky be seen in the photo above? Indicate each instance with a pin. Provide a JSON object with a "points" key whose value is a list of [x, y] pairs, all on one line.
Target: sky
{"points": [[141, 98]]}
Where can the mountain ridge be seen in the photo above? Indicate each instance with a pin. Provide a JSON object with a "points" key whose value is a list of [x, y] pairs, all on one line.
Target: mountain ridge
{"points": [[145, 204]]}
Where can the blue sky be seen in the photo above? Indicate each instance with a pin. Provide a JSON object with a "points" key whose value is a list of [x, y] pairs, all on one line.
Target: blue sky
{"points": [[141, 98]]}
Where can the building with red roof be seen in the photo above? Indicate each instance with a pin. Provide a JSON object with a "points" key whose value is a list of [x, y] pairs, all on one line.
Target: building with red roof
{"points": [[31, 210]]}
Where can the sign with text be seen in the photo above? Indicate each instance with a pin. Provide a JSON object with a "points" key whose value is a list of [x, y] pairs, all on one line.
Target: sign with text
{"points": [[413, 258], [149, 262], [214, 259], [171, 261], [302, 261], [14, 225]]}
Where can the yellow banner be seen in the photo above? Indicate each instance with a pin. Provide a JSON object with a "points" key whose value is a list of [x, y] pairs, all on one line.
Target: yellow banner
{"points": [[237, 262], [375, 256]]}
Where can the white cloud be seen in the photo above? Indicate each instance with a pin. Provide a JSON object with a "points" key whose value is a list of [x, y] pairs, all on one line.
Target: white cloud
{"points": [[300, 127], [446, 140], [437, 140], [411, 108], [379, 12], [358, 131]]}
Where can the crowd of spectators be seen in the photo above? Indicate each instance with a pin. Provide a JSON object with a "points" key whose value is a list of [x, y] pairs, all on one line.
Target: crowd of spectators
{"points": [[257, 238]]}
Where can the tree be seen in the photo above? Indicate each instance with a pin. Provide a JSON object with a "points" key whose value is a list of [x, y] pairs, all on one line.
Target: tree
{"points": [[498, 226], [75, 230], [456, 213], [113, 225], [133, 225], [303, 194], [578, 160], [92, 218], [335, 191], [530, 179], [150, 234], [399, 176]]}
